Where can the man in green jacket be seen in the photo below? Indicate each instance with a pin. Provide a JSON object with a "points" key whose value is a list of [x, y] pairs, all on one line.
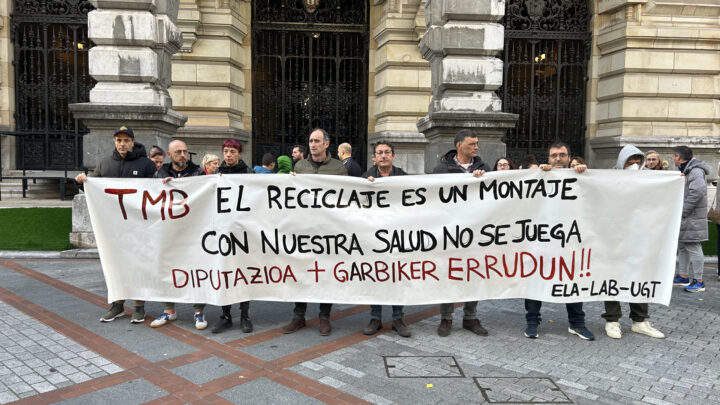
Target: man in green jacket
{"points": [[319, 162]]}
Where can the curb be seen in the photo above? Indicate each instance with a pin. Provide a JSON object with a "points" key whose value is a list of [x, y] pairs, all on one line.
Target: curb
{"points": [[66, 254]]}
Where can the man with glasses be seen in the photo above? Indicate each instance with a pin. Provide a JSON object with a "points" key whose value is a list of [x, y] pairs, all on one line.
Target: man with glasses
{"points": [[558, 158], [383, 157]]}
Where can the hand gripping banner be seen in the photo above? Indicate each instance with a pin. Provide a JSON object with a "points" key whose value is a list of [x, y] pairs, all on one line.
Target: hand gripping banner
{"points": [[554, 236]]}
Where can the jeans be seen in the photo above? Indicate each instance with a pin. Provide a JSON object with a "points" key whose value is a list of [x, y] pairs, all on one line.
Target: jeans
{"points": [[244, 309], [690, 254], [301, 308], [469, 310], [376, 312], [196, 307], [613, 312], [576, 316]]}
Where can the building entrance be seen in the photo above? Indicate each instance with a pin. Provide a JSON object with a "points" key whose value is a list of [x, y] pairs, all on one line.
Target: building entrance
{"points": [[547, 46], [310, 70]]}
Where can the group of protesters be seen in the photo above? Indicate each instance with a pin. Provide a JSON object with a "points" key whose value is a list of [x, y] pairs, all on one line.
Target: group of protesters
{"points": [[130, 160]]}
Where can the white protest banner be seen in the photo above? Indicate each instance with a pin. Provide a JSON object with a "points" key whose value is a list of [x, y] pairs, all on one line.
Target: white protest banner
{"points": [[553, 236]]}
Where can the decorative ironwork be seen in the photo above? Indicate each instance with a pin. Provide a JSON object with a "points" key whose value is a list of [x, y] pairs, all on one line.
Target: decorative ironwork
{"points": [[51, 71], [547, 15], [545, 75], [310, 12], [309, 77]]}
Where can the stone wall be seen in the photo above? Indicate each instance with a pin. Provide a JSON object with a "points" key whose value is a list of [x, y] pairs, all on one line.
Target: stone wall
{"points": [[655, 78], [211, 75]]}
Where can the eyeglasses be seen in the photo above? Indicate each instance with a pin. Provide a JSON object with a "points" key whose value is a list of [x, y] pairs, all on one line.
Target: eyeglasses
{"points": [[383, 152], [558, 155], [503, 165]]}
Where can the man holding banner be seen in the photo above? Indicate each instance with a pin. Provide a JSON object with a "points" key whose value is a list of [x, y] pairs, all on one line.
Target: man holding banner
{"points": [[558, 158], [128, 160], [464, 159], [630, 158], [319, 162], [384, 155], [179, 166]]}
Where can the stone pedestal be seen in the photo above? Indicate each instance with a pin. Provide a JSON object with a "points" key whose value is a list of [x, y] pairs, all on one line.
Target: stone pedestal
{"points": [[461, 43], [82, 235]]}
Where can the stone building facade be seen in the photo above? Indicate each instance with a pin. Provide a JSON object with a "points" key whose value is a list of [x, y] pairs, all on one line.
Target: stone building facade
{"points": [[651, 78]]}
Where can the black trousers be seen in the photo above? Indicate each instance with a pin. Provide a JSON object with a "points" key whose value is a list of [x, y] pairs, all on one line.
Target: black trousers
{"points": [[301, 308], [244, 309]]}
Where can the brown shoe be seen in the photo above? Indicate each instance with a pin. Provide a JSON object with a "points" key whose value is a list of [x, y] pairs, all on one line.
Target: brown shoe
{"points": [[372, 328], [324, 327], [474, 326], [399, 327], [444, 328], [294, 325]]}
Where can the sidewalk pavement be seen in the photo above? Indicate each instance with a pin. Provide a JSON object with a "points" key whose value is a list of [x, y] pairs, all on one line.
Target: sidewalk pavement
{"points": [[53, 349]]}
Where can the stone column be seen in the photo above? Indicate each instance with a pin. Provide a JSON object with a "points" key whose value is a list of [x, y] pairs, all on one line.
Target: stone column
{"points": [[135, 41], [398, 81], [655, 79], [212, 75], [462, 42]]}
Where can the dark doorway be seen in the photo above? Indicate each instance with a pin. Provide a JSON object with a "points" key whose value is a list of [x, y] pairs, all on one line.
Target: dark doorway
{"points": [[310, 70], [547, 46], [51, 71]]}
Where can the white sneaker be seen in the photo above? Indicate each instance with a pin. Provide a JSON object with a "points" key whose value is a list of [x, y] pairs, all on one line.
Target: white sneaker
{"points": [[646, 328], [200, 322], [613, 330], [163, 319]]}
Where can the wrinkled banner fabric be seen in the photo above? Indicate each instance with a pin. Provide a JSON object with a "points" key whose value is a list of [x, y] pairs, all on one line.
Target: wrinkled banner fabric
{"points": [[554, 236]]}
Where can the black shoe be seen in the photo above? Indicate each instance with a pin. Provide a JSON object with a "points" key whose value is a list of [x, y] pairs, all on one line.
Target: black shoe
{"points": [[245, 325], [224, 324]]}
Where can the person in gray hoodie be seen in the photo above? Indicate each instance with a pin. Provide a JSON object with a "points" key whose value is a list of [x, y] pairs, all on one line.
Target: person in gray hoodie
{"points": [[629, 158], [693, 228]]}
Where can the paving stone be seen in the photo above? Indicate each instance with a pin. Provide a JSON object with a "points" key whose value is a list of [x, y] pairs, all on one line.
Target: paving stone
{"points": [[132, 392], [206, 370], [255, 392]]}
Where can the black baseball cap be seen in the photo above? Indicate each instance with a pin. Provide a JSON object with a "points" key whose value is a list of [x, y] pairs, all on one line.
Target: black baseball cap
{"points": [[125, 130]]}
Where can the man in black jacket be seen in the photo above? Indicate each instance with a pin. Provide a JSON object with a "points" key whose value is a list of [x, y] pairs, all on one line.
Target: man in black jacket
{"points": [[384, 156], [345, 155], [463, 159], [129, 159], [179, 166]]}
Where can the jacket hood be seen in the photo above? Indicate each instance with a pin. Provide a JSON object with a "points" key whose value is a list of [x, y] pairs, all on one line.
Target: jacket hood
{"points": [[625, 153], [699, 164], [137, 151], [239, 167], [284, 164]]}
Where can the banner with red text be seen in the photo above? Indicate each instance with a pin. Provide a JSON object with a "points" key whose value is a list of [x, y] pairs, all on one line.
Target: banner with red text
{"points": [[554, 236]]}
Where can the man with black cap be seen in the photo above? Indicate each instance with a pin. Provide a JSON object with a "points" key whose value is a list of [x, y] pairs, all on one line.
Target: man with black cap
{"points": [[129, 159]]}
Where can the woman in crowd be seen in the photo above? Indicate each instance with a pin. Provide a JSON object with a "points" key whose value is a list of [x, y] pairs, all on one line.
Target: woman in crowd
{"points": [[504, 164], [210, 163], [157, 155], [576, 160]]}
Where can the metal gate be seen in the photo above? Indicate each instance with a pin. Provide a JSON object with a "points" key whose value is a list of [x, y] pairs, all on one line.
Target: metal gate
{"points": [[51, 71], [310, 70], [547, 46]]}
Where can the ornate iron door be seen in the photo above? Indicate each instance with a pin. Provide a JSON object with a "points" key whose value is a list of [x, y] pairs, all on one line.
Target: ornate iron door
{"points": [[310, 69], [51, 71], [547, 46]]}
